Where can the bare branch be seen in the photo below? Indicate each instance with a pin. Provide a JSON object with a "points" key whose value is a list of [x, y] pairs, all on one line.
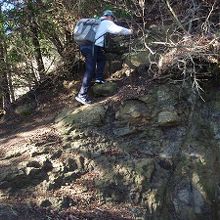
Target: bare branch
{"points": [[175, 16]]}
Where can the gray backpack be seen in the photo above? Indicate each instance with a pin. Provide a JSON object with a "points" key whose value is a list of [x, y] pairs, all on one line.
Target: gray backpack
{"points": [[85, 30]]}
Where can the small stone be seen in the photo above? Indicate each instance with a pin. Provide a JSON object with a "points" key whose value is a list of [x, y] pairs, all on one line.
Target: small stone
{"points": [[106, 89], [168, 118]]}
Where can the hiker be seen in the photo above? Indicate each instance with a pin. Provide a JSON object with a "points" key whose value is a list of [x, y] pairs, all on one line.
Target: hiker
{"points": [[95, 56]]}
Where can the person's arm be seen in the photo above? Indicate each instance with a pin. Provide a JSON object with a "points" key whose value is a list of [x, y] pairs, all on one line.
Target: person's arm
{"points": [[116, 29]]}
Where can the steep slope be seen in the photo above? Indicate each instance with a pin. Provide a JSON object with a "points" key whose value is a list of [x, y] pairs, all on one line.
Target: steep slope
{"points": [[149, 151]]}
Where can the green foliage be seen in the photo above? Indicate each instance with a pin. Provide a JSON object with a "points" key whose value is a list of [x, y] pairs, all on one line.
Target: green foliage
{"points": [[90, 8], [54, 21], [119, 12]]}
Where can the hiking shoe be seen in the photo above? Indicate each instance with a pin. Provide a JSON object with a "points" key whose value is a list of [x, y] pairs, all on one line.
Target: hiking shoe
{"points": [[99, 81], [83, 100]]}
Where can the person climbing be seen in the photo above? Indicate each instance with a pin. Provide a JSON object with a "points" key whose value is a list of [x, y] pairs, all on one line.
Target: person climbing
{"points": [[95, 56]]}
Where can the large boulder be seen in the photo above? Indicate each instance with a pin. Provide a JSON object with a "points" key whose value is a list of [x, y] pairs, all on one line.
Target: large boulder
{"points": [[25, 109], [136, 59], [91, 115], [168, 118], [106, 89], [133, 111]]}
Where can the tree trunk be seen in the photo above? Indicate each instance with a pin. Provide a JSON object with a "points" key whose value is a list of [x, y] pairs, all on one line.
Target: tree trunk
{"points": [[30, 64], [4, 89], [38, 56], [56, 42], [6, 95], [4, 81], [10, 85], [9, 75], [51, 32], [35, 39], [1, 102]]}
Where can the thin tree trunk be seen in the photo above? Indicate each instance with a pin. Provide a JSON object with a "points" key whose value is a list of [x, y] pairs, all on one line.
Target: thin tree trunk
{"points": [[51, 33], [10, 84], [32, 72], [4, 82], [9, 75], [56, 42], [4, 89], [1, 102], [6, 95], [38, 56], [35, 39]]}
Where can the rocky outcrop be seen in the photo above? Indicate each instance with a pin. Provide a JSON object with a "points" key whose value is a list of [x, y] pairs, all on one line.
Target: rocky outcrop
{"points": [[159, 151], [82, 117]]}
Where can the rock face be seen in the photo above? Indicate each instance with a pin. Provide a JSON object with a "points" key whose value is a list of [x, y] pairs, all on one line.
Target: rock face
{"points": [[159, 151], [136, 59]]}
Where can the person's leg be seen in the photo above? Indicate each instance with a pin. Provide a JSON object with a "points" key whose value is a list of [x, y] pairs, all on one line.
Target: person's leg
{"points": [[101, 60], [90, 60]]}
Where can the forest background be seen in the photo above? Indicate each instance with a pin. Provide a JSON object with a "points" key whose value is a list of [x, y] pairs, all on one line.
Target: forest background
{"points": [[36, 38]]}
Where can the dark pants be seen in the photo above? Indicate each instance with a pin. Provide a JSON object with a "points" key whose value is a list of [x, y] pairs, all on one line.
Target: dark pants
{"points": [[95, 64]]}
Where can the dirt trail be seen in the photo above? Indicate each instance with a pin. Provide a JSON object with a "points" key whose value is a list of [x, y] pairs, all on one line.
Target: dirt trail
{"points": [[17, 131], [15, 134]]}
